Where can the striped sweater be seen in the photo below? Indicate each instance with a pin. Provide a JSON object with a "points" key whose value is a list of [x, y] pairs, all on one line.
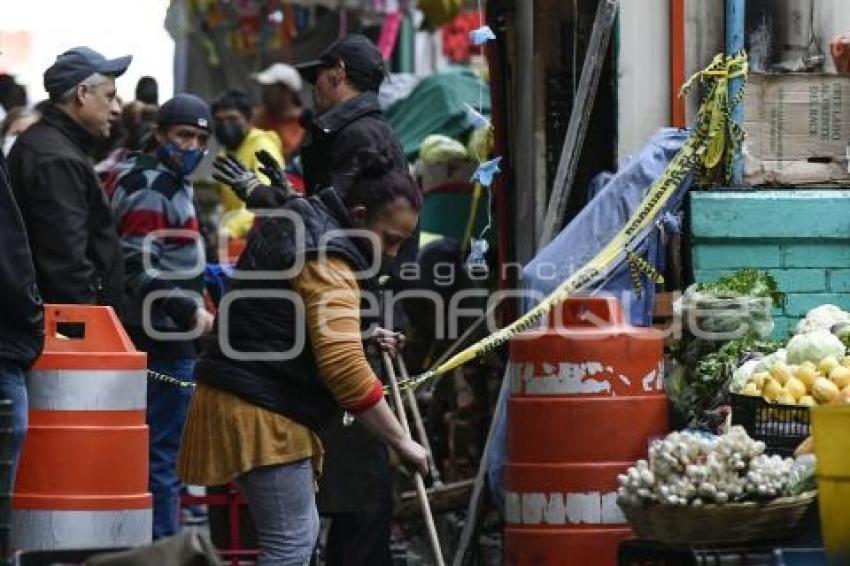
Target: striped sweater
{"points": [[163, 254]]}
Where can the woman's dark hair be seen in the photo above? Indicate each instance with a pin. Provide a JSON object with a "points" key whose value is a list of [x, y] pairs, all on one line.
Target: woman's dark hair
{"points": [[233, 100], [379, 182]]}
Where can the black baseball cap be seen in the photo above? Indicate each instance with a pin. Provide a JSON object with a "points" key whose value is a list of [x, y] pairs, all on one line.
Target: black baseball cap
{"points": [[76, 65], [364, 64], [185, 109]]}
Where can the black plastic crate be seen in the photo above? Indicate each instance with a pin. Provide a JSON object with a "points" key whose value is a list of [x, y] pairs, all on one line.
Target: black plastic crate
{"points": [[649, 553], [781, 427]]}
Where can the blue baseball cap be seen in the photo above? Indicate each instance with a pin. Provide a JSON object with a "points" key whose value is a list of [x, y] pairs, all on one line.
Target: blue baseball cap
{"points": [[185, 109], [76, 65]]}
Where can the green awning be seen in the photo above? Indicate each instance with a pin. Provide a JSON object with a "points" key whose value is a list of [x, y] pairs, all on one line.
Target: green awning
{"points": [[438, 106]]}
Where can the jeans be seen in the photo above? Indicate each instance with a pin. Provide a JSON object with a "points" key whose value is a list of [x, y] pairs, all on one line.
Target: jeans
{"points": [[167, 407], [283, 506], [13, 387]]}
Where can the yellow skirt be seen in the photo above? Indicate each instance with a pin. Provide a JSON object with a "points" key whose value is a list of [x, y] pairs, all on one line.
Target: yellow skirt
{"points": [[225, 436]]}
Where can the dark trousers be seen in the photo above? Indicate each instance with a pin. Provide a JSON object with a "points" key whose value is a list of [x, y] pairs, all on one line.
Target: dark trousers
{"points": [[167, 407], [355, 492], [359, 539]]}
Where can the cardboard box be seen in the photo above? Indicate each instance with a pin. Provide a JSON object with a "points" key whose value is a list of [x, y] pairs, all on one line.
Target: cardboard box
{"points": [[797, 128]]}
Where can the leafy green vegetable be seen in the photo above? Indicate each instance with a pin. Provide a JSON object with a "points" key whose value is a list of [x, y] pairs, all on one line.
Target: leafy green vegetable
{"points": [[745, 282], [702, 387]]}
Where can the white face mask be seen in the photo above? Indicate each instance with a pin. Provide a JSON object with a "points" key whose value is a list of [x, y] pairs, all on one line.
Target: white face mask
{"points": [[7, 143]]}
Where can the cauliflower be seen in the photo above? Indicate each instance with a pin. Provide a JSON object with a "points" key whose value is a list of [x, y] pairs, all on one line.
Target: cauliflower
{"points": [[823, 317], [814, 346], [742, 375], [767, 362]]}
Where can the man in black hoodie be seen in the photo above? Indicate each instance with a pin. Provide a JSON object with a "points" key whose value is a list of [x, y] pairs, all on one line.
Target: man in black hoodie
{"points": [[21, 311], [345, 80], [75, 246]]}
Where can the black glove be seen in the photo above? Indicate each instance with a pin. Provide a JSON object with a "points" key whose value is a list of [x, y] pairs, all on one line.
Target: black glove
{"points": [[272, 169], [280, 191], [247, 185], [231, 172]]}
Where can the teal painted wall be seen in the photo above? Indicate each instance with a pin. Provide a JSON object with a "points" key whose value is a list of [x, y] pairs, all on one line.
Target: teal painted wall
{"points": [[802, 237]]}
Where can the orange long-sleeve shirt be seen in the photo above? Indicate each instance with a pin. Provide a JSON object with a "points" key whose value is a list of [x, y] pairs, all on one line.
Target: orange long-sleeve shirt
{"points": [[225, 436]]}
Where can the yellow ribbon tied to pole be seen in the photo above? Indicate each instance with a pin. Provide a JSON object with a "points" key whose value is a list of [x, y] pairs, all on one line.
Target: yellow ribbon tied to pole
{"points": [[713, 133]]}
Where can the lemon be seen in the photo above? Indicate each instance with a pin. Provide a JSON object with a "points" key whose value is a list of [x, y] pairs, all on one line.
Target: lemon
{"points": [[751, 389], [759, 378], [824, 390], [840, 376], [795, 387], [807, 401], [785, 398], [771, 390], [780, 372], [828, 364], [807, 373]]}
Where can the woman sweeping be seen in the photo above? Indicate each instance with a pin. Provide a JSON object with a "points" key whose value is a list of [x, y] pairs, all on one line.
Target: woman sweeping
{"points": [[290, 354]]}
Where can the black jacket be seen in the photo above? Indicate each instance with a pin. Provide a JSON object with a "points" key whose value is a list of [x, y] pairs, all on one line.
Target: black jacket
{"points": [[330, 158], [74, 243], [271, 324], [21, 310], [334, 139]]}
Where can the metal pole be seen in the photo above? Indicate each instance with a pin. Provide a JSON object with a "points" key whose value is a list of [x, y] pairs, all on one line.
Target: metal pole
{"points": [[417, 477], [735, 14]]}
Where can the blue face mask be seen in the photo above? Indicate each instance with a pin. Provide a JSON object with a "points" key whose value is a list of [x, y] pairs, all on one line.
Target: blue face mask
{"points": [[181, 161]]}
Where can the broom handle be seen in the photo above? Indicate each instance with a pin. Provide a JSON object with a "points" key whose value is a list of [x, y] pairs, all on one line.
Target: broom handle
{"points": [[417, 421], [421, 494]]}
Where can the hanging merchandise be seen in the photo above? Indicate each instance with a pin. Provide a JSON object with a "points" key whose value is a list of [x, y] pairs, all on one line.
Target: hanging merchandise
{"points": [[476, 119], [389, 34], [250, 27], [438, 12], [457, 45], [703, 151], [481, 35], [486, 171]]}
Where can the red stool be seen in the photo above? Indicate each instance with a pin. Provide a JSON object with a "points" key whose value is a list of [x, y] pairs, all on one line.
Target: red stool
{"points": [[234, 502]]}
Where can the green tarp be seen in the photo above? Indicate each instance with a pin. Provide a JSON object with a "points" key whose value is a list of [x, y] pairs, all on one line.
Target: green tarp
{"points": [[437, 106]]}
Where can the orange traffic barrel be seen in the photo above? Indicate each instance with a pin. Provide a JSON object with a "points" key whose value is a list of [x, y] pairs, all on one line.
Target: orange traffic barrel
{"points": [[82, 481], [586, 398]]}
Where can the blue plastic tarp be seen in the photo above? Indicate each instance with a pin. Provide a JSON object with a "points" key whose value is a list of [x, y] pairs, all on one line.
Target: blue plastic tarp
{"points": [[600, 220]]}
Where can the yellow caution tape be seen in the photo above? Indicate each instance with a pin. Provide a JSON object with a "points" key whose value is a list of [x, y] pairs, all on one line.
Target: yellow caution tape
{"points": [[703, 150]]}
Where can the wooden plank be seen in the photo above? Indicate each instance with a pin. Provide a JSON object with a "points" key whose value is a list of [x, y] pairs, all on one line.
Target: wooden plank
{"points": [[579, 119]]}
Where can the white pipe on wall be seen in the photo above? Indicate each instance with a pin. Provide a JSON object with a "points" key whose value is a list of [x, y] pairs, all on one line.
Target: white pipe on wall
{"points": [[643, 70]]}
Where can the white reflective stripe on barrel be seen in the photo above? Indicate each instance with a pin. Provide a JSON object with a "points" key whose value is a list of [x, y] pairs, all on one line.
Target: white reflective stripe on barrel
{"points": [[565, 378], [55, 530], [592, 508], [87, 390]]}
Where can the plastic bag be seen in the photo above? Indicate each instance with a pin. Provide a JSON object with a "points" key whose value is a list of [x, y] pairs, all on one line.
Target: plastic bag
{"points": [[713, 317]]}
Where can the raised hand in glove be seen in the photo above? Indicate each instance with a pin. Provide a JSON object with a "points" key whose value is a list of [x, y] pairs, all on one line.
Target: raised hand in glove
{"points": [[281, 189], [247, 185], [231, 172], [270, 167]]}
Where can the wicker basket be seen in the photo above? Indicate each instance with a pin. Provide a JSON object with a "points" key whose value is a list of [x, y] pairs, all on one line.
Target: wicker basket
{"points": [[720, 524]]}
